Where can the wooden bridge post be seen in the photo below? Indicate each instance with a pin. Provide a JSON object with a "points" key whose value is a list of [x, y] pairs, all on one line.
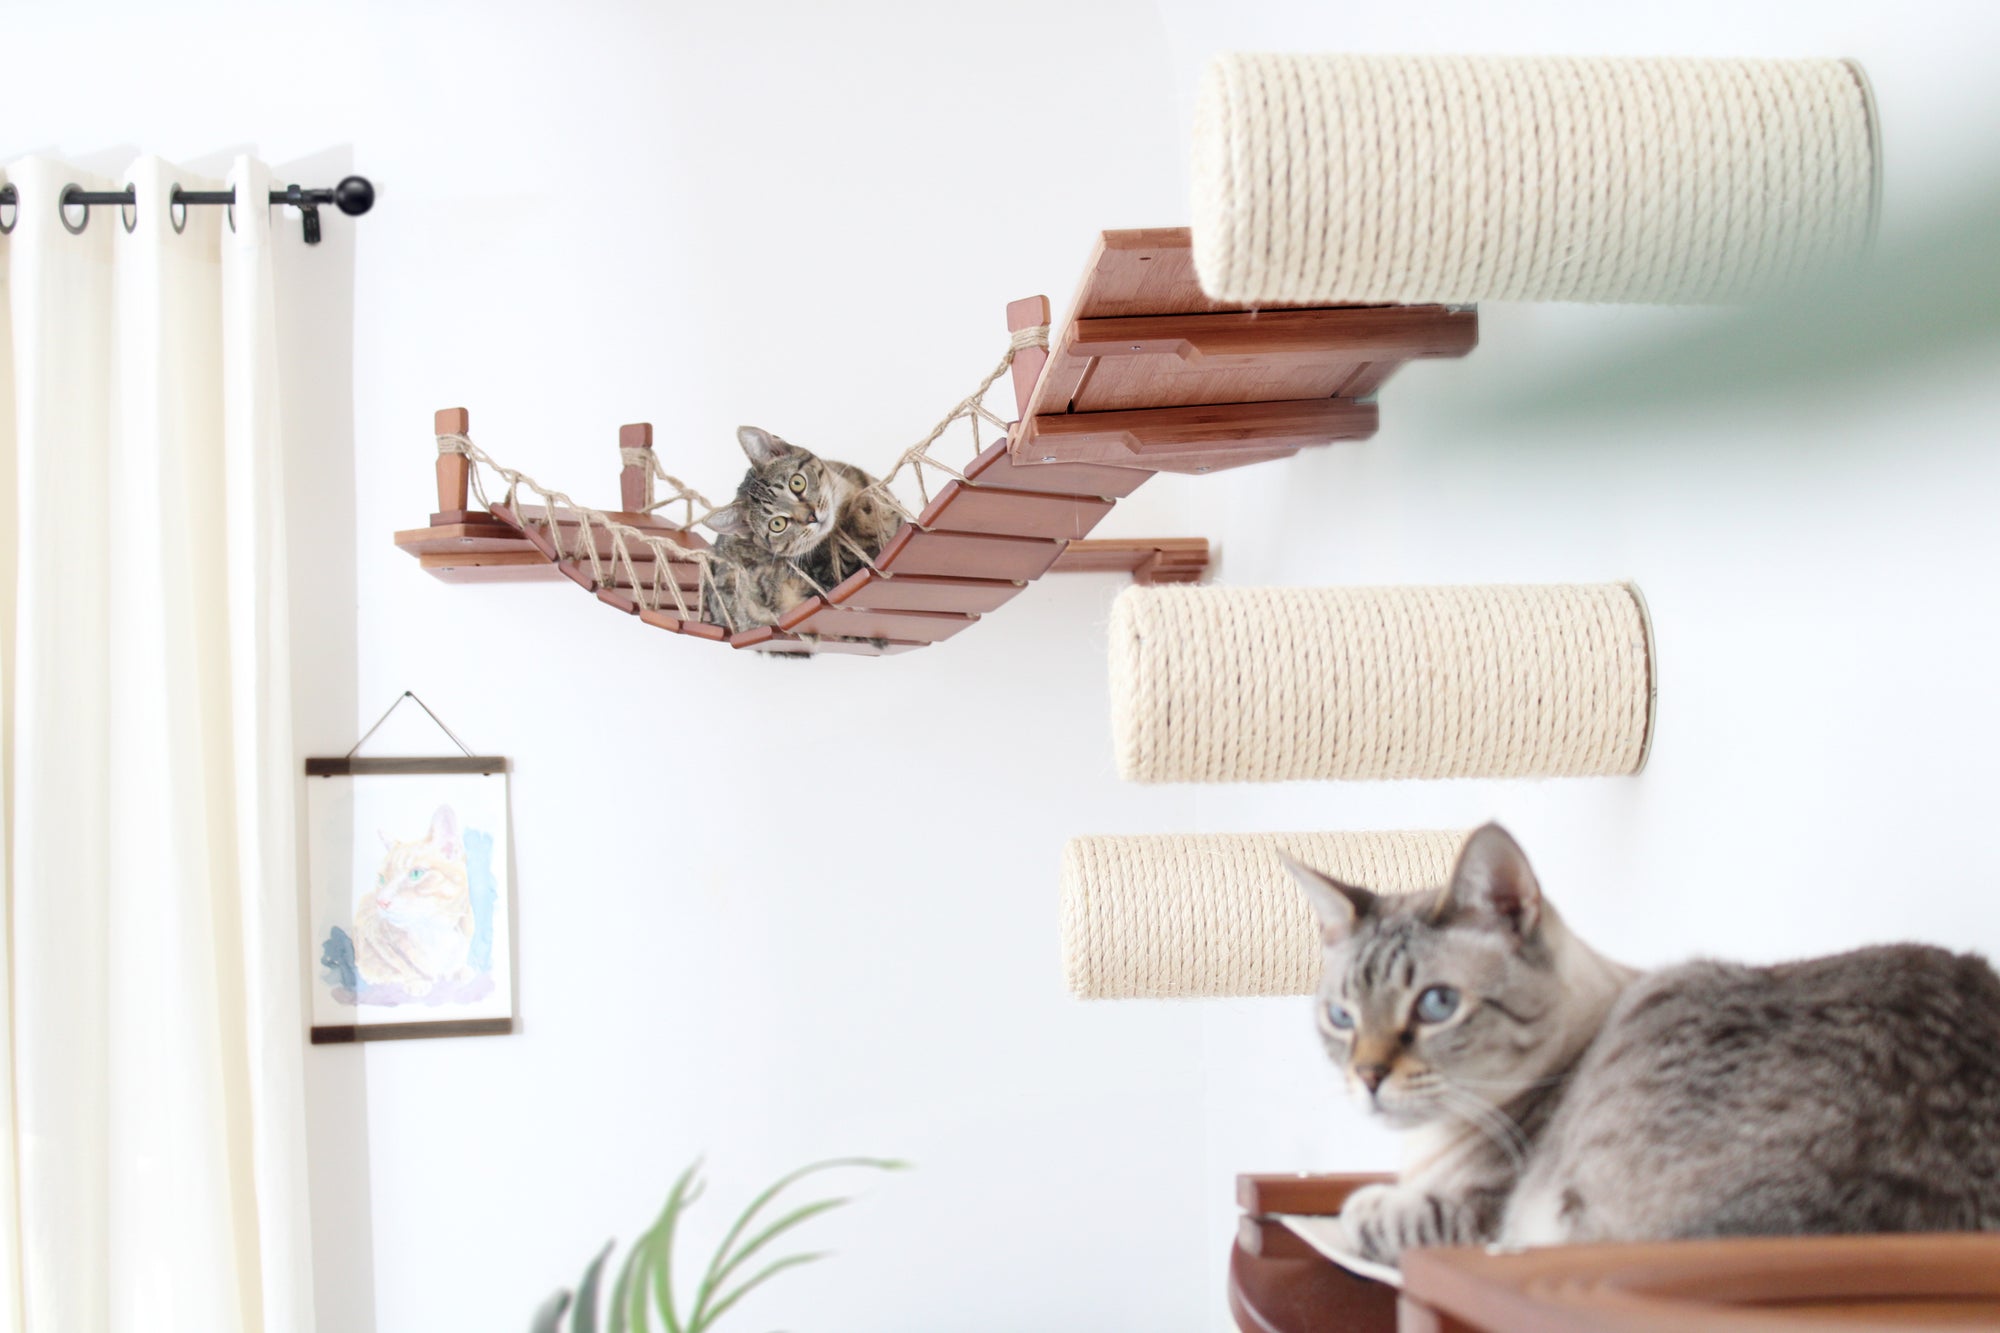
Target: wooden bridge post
{"points": [[1026, 313], [454, 471], [635, 480]]}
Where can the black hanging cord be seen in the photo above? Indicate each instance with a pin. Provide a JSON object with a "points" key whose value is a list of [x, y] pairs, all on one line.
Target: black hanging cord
{"points": [[406, 694], [353, 196]]}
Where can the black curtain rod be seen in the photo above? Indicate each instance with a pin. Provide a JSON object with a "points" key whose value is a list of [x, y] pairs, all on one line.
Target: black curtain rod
{"points": [[353, 196]]}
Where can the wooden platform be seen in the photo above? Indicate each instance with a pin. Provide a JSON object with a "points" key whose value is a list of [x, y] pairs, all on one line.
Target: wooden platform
{"points": [[1146, 375], [1280, 1284]]}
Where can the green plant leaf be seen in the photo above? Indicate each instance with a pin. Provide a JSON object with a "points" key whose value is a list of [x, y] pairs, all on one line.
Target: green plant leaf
{"points": [[548, 1318], [584, 1320], [659, 1245], [712, 1283], [723, 1263], [620, 1311], [758, 1279], [641, 1309]]}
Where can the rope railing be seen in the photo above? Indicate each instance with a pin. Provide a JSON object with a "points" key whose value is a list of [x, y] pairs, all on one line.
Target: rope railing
{"points": [[662, 590]]}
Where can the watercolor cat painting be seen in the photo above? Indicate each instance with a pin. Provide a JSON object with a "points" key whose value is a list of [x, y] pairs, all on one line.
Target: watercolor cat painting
{"points": [[418, 933]]}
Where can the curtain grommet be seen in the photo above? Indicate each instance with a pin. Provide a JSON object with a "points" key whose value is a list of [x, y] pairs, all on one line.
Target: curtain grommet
{"points": [[129, 215], [64, 204], [7, 223], [177, 211]]}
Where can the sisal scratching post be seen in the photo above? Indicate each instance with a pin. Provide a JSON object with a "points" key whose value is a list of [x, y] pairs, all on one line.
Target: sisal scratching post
{"points": [[1323, 179], [1217, 914], [1277, 684]]}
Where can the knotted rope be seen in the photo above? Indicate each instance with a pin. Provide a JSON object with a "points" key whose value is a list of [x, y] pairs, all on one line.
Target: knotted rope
{"points": [[662, 591]]}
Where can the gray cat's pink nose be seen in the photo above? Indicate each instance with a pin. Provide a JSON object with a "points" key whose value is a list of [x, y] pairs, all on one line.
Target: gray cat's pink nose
{"points": [[1371, 1076]]}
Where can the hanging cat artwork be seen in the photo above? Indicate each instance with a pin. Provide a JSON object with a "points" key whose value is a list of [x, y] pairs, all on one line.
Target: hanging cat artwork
{"points": [[410, 905]]}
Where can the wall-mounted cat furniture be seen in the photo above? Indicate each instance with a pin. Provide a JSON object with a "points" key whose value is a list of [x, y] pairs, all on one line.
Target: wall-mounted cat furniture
{"points": [[1330, 178], [1146, 375]]}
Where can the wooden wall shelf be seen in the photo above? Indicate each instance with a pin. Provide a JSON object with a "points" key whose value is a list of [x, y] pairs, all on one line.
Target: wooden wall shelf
{"points": [[1146, 375]]}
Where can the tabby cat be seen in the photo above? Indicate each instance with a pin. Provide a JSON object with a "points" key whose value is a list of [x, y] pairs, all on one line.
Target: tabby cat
{"points": [[1558, 1096], [791, 514], [413, 931]]}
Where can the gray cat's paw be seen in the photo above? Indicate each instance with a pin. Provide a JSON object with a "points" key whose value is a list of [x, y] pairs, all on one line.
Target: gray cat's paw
{"points": [[1381, 1221]]}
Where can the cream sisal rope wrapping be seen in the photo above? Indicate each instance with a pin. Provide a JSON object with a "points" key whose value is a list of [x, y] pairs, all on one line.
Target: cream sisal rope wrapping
{"points": [[1344, 178], [1275, 684], [1217, 914]]}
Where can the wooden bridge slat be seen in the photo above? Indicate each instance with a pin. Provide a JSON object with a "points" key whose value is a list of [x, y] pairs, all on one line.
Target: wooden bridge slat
{"points": [[995, 468], [868, 591], [968, 555], [961, 508], [901, 626]]}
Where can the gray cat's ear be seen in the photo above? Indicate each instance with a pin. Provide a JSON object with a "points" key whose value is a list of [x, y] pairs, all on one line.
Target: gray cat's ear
{"points": [[1493, 885], [1339, 907], [727, 521], [762, 446]]}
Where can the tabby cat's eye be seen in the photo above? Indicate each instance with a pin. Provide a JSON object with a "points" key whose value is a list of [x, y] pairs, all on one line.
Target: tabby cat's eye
{"points": [[1338, 1018], [780, 523], [798, 483], [1436, 1004]]}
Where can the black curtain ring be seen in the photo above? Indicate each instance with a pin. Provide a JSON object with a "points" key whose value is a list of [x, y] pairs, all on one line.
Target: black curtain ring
{"points": [[129, 218], [7, 223], [230, 210], [64, 204], [177, 211]]}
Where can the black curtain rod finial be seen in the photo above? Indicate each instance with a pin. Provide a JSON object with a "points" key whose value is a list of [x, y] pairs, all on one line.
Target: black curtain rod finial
{"points": [[354, 195]]}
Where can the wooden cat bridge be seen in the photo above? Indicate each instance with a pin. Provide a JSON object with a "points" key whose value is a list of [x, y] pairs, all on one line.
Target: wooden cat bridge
{"points": [[1146, 375]]}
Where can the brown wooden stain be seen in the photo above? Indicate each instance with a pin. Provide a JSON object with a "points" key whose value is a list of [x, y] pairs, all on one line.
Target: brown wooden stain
{"points": [[1145, 375], [902, 626], [967, 555], [995, 467], [928, 592], [962, 508], [1280, 1284], [634, 479]]}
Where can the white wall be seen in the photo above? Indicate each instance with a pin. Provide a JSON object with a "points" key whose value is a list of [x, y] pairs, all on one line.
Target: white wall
{"points": [[770, 911]]}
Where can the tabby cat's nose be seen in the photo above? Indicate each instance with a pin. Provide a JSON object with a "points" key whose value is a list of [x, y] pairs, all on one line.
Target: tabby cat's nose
{"points": [[1371, 1075]]}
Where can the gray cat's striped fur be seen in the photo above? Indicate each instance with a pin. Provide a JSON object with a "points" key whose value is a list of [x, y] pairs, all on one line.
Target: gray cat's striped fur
{"points": [[785, 529], [1565, 1097]]}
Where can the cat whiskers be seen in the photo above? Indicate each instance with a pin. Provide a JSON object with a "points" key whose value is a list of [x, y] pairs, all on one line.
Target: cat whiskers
{"points": [[1511, 1085], [1489, 1119]]}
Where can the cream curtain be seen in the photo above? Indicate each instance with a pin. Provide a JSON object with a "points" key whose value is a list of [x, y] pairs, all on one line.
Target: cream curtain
{"points": [[153, 1172]]}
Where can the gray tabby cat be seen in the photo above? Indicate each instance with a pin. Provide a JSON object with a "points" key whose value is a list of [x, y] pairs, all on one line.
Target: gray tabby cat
{"points": [[1562, 1097], [790, 515]]}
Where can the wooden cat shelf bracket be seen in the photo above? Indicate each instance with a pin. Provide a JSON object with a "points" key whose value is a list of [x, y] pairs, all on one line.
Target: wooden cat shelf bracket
{"points": [[1146, 375]]}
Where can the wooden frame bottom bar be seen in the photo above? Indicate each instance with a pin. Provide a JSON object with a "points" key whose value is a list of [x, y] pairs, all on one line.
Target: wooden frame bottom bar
{"points": [[335, 1035]]}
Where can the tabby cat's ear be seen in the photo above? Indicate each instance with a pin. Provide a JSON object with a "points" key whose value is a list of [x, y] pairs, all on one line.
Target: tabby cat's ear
{"points": [[762, 446], [1339, 907], [727, 521], [1493, 885]]}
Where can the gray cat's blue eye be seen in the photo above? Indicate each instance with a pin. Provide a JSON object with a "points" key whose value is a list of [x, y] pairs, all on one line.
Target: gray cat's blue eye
{"points": [[1338, 1018], [1437, 1004]]}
